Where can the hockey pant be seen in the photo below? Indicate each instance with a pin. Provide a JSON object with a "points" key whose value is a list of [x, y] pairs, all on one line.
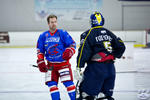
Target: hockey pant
{"points": [[98, 77], [65, 75]]}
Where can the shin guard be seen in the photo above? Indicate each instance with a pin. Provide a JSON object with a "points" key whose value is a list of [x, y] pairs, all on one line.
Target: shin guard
{"points": [[55, 95], [71, 89]]}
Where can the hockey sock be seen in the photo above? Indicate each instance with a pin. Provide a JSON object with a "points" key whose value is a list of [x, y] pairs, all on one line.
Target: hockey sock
{"points": [[71, 89], [54, 90]]}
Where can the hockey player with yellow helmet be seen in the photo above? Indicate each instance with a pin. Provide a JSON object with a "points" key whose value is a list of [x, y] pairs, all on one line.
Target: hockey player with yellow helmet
{"points": [[99, 47]]}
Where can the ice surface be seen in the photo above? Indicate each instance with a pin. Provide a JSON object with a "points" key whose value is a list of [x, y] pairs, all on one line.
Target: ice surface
{"points": [[19, 81]]}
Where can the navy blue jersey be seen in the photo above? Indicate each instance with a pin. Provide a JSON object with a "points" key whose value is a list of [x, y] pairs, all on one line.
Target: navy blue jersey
{"points": [[53, 46], [98, 39]]}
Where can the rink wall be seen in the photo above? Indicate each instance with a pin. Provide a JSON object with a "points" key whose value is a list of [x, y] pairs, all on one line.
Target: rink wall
{"points": [[29, 39]]}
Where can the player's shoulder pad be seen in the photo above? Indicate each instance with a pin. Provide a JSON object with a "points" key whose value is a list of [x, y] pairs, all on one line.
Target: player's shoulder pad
{"points": [[62, 30], [83, 36], [84, 33], [103, 30], [44, 33], [107, 31]]}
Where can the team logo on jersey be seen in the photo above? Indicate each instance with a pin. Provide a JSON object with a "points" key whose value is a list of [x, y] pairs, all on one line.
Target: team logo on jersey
{"points": [[103, 31], [53, 39], [53, 50]]}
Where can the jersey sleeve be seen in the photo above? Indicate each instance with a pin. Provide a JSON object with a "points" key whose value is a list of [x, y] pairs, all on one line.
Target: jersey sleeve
{"points": [[84, 51], [68, 40], [118, 47], [40, 47]]}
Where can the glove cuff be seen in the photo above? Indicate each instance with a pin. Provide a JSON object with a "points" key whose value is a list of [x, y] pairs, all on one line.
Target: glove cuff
{"points": [[39, 61], [72, 49], [40, 56]]}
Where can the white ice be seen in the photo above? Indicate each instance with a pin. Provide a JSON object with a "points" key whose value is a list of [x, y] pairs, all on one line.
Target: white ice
{"points": [[19, 81]]}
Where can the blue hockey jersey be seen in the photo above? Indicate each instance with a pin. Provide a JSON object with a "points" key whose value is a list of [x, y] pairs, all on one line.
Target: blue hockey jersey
{"points": [[53, 45]]}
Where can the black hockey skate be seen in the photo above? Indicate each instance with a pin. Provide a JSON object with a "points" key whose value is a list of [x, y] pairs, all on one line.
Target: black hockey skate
{"points": [[105, 98], [87, 98]]}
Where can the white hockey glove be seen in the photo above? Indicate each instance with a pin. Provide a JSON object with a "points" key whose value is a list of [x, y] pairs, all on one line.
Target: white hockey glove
{"points": [[78, 74]]}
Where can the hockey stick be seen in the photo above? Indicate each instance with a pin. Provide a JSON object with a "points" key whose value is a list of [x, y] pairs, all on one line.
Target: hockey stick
{"points": [[77, 89], [51, 68], [34, 65], [78, 78], [116, 72]]}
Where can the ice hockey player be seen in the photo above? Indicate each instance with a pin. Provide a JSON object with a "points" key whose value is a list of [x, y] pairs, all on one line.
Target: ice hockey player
{"points": [[99, 47], [54, 49]]}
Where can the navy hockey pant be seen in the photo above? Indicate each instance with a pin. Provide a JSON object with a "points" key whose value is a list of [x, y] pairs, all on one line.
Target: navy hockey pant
{"points": [[98, 77]]}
